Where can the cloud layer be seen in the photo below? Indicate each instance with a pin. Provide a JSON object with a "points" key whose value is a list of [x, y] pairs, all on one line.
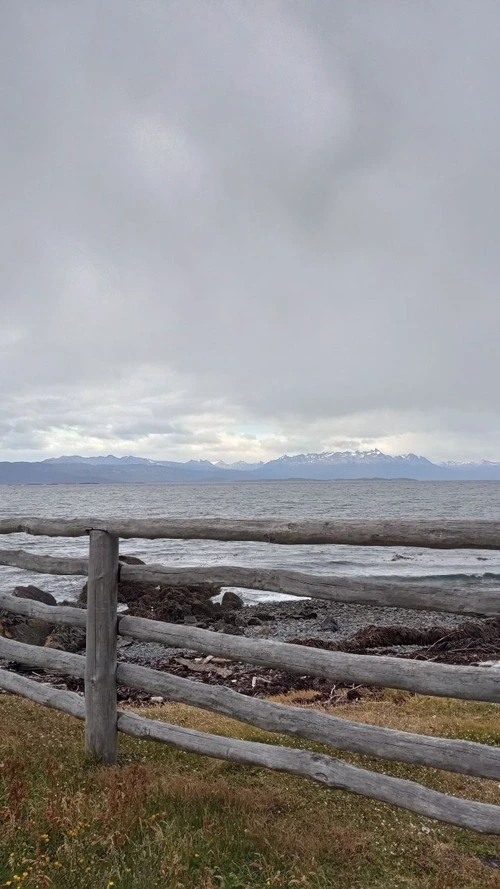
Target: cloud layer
{"points": [[237, 229]]}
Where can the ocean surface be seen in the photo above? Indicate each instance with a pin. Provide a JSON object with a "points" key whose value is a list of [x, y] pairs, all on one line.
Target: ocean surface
{"points": [[293, 500]]}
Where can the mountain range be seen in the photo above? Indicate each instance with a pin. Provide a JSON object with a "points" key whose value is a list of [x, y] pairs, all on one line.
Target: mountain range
{"points": [[325, 466]]}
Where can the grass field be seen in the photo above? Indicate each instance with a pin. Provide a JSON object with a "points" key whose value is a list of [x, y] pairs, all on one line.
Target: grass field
{"points": [[164, 818]]}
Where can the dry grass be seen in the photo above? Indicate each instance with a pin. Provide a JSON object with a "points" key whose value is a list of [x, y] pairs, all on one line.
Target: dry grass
{"points": [[164, 818]]}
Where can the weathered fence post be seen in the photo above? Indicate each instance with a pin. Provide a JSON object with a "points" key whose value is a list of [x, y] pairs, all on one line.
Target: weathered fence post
{"points": [[100, 660]]}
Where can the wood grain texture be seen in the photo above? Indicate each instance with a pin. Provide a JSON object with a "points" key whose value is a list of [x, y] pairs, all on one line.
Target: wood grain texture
{"points": [[57, 699], [469, 683], [57, 614], [450, 534], [326, 770], [50, 659], [333, 588], [465, 757], [100, 657], [20, 558]]}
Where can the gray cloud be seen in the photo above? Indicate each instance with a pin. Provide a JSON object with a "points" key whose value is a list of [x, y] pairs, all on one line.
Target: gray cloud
{"points": [[278, 215]]}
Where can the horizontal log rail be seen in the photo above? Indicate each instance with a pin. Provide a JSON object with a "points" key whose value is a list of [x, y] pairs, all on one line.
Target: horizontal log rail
{"points": [[40, 658], [441, 680], [471, 600], [468, 683], [446, 534], [464, 757], [51, 614], [326, 770], [21, 558], [101, 671], [483, 817]]}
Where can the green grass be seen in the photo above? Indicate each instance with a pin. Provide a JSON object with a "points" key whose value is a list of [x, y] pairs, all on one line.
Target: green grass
{"points": [[163, 818]]}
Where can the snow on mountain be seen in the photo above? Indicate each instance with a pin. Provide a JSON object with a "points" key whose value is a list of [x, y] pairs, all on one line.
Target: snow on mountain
{"points": [[239, 465], [324, 466], [351, 464], [349, 457], [109, 460], [461, 464]]}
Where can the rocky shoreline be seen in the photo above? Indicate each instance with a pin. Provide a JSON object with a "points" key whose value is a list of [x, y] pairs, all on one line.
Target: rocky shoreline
{"points": [[287, 621], [357, 628]]}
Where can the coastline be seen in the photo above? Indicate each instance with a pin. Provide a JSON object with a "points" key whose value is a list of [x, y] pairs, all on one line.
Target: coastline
{"points": [[360, 629]]}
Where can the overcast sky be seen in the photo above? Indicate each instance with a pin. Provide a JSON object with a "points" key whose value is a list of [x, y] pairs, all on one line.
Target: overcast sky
{"points": [[237, 229]]}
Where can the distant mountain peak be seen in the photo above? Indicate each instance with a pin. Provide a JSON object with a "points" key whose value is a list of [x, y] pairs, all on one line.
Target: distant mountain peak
{"points": [[108, 460], [344, 457], [322, 466], [238, 465]]}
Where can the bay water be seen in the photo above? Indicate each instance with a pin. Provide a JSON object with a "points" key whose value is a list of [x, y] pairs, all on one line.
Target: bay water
{"points": [[289, 500]]}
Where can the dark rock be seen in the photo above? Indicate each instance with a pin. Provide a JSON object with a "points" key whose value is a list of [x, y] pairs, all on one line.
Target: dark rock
{"points": [[329, 623], [305, 612], [82, 597], [66, 638], [158, 602], [222, 626], [172, 604], [263, 615], [130, 592], [131, 560], [35, 594], [231, 601], [254, 622], [233, 630], [30, 630]]}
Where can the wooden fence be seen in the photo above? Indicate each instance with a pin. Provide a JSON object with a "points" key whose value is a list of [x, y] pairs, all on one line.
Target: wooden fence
{"points": [[101, 671]]}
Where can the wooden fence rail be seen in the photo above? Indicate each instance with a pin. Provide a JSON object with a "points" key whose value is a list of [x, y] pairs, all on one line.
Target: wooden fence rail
{"points": [[463, 757], [482, 817], [453, 534], [441, 680], [333, 588], [101, 671]]}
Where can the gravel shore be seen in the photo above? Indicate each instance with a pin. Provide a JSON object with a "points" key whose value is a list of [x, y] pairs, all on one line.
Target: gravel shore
{"points": [[311, 619]]}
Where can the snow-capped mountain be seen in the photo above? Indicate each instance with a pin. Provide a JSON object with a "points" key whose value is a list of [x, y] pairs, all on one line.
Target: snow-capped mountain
{"points": [[324, 466], [350, 464], [239, 465], [350, 457], [109, 460]]}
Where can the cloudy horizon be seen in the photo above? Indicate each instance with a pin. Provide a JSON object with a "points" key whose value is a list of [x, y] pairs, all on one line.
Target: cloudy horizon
{"points": [[234, 231]]}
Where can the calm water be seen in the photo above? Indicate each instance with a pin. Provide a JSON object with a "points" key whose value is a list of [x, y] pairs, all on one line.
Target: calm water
{"points": [[290, 500]]}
